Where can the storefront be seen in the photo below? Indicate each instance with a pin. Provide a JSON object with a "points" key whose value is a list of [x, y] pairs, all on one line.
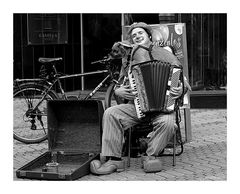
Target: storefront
{"points": [[83, 38], [206, 45]]}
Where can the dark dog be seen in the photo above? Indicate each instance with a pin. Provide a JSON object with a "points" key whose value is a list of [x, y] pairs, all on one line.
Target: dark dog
{"points": [[120, 50]]}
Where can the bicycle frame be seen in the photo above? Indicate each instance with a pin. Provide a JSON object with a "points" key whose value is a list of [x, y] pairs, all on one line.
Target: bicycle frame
{"points": [[58, 78], [49, 85], [44, 88], [89, 73]]}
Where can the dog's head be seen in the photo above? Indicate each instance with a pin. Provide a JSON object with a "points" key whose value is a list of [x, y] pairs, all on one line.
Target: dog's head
{"points": [[120, 50]]}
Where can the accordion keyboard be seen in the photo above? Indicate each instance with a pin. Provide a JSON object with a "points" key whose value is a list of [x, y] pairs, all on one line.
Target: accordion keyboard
{"points": [[133, 85]]}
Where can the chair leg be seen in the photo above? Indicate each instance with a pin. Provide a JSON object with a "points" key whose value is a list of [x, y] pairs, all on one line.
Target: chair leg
{"points": [[129, 146], [174, 148]]}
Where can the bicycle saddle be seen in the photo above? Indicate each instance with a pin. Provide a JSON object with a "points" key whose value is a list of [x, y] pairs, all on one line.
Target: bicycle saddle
{"points": [[48, 60]]}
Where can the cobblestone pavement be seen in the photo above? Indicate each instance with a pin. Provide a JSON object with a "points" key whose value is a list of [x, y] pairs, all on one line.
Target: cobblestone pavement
{"points": [[203, 159]]}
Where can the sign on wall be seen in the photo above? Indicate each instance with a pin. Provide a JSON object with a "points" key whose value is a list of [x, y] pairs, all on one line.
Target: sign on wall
{"points": [[45, 29]]}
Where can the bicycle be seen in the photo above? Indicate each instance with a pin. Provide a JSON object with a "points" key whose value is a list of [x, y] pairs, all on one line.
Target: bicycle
{"points": [[31, 96]]}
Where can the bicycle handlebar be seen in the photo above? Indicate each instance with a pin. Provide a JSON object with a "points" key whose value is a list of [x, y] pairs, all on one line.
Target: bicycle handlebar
{"points": [[104, 60]]}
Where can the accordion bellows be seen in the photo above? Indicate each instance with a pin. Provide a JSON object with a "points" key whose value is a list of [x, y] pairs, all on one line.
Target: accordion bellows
{"points": [[153, 79]]}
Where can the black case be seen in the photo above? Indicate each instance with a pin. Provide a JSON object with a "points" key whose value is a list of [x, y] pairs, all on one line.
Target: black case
{"points": [[74, 140]]}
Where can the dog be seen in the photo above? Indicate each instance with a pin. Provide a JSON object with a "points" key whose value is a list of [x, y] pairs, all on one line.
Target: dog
{"points": [[120, 50]]}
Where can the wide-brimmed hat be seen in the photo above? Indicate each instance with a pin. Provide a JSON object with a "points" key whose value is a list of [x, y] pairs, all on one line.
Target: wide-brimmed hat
{"points": [[143, 25]]}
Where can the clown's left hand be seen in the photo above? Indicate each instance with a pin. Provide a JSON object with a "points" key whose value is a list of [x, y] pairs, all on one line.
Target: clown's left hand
{"points": [[176, 92]]}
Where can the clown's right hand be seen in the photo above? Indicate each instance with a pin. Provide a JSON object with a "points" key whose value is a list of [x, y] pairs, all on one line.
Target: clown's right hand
{"points": [[125, 92]]}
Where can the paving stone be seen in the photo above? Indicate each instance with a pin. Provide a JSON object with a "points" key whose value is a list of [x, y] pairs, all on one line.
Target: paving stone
{"points": [[185, 171], [166, 175], [174, 173]]}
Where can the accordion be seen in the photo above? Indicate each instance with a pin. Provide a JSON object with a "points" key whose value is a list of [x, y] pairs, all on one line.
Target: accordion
{"points": [[152, 81]]}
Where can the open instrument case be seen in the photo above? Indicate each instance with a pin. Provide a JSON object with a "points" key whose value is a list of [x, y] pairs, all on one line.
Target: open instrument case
{"points": [[74, 140]]}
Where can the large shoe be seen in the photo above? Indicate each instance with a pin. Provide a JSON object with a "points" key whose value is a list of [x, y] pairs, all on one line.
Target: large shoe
{"points": [[107, 168], [151, 164]]}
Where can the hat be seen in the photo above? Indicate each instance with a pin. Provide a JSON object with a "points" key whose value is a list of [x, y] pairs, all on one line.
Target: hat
{"points": [[143, 25]]}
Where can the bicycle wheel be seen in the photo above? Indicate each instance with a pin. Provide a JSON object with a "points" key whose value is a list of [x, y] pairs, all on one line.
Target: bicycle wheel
{"points": [[30, 122], [110, 98]]}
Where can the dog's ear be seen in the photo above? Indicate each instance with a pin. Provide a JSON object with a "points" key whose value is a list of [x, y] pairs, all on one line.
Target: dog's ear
{"points": [[116, 45]]}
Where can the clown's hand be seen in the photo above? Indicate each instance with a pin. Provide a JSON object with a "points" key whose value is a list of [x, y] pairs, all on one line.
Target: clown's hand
{"points": [[176, 92]]}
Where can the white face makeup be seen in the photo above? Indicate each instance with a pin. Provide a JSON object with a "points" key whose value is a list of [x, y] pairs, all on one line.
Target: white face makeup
{"points": [[139, 36]]}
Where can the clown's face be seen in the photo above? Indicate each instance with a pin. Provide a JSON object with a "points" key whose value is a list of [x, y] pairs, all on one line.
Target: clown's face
{"points": [[140, 36]]}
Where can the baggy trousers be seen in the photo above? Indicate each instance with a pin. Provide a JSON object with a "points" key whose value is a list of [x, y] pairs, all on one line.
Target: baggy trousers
{"points": [[117, 119]]}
